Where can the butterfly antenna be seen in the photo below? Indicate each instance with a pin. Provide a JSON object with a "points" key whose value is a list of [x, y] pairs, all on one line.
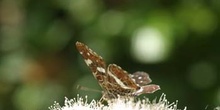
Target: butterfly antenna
{"points": [[79, 87]]}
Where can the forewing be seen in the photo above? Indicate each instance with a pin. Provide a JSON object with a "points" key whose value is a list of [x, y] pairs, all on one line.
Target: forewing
{"points": [[121, 77], [93, 61], [141, 78]]}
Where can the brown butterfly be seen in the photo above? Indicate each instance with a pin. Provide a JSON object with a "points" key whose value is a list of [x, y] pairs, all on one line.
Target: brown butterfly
{"points": [[113, 79]]}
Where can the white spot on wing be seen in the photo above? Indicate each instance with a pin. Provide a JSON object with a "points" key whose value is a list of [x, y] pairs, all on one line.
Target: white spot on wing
{"points": [[139, 77], [133, 79], [100, 69], [88, 61]]}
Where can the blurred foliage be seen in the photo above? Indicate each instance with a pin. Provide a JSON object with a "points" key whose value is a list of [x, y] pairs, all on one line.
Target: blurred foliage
{"points": [[176, 41]]}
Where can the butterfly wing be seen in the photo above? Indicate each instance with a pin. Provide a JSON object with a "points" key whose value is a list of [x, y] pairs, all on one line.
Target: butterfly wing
{"points": [[118, 83], [121, 77], [147, 89], [141, 78], [93, 61]]}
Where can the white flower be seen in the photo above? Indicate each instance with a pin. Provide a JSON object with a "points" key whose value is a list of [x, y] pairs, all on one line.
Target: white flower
{"points": [[123, 104]]}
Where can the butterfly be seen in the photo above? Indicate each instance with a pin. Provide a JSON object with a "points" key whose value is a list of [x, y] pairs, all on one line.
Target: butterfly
{"points": [[115, 81]]}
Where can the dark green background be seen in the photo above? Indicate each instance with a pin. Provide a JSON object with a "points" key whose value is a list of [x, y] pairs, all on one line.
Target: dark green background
{"points": [[39, 63]]}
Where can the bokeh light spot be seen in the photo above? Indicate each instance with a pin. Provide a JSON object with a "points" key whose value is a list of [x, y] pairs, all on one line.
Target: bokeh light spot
{"points": [[11, 67], [111, 22], [148, 45], [84, 10], [198, 17], [202, 75]]}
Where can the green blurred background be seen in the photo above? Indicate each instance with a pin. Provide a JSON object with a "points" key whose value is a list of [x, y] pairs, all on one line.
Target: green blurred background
{"points": [[176, 41]]}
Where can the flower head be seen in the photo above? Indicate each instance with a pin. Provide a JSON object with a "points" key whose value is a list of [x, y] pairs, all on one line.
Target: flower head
{"points": [[124, 104]]}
